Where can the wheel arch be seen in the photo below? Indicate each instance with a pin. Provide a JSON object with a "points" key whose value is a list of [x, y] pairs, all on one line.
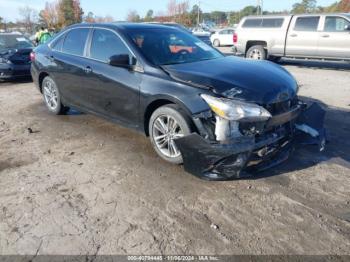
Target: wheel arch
{"points": [[41, 78], [159, 102], [255, 42]]}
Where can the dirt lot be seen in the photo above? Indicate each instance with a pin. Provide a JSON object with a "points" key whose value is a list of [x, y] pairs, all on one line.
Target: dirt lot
{"points": [[80, 185]]}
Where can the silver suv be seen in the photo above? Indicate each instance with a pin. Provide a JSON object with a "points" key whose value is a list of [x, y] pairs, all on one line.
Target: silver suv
{"points": [[323, 36]]}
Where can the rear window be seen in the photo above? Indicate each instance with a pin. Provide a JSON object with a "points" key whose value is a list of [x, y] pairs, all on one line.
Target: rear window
{"points": [[250, 23], [14, 42], [75, 40], [307, 23], [58, 43], [273, 23], [263, 23]]}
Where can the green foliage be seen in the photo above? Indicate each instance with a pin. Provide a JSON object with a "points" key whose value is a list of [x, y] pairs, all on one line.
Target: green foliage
{"points": [[149, 16], [71, 12], [306, 6]]}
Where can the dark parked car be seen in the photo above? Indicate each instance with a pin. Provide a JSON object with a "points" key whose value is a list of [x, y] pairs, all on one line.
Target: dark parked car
{"points": [[222, 117], [15, 52]]}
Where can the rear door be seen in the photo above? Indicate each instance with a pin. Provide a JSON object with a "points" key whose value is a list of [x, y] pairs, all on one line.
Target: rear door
{"points": [[303, 36], [335, 38], [68, 65]]}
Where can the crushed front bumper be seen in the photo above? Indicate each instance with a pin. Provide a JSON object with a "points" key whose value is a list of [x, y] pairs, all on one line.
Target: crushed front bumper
{"points": [[246, 155]]}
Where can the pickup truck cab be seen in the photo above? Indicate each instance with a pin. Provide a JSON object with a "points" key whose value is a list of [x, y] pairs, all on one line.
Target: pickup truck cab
{"points": [[320, 36]]}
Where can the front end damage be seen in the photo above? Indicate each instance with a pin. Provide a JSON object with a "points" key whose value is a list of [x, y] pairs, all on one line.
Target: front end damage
{"points": [[225, 150]]}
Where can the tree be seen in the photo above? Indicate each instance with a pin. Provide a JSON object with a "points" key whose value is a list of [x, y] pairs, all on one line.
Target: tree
{"points": [[29, 17], [104, 19], [133, 16], [149, 16], [194, 14], [50, 16], [71, 12], [306, 6], [90, 18], [344, 6]]}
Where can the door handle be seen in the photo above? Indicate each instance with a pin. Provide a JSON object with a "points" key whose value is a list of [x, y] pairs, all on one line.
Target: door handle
{"points": [[325, 36], [293, 35], [88, 70]]}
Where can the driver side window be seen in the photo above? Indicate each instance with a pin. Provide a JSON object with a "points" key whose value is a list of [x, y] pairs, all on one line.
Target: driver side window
{"points": [[336, 24], [105, 44]]}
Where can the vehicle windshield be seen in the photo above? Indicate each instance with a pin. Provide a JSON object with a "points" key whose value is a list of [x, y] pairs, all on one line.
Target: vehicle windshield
{"points": [[164, 46], [14, 42]]}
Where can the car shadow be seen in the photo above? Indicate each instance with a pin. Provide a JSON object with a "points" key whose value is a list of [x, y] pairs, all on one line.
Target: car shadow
{"points": [[18, 80], [337, 124], [316, 64]]}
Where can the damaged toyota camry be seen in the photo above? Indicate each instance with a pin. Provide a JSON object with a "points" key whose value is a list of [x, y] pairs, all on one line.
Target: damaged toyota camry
{"points": [[221, 117]]}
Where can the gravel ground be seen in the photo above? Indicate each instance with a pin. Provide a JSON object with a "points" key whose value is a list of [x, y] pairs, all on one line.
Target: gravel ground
{"points": [[80, 185]]}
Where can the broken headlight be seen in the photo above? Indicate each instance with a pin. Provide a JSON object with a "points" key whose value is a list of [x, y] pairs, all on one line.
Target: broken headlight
{"points": [[235, 110]]}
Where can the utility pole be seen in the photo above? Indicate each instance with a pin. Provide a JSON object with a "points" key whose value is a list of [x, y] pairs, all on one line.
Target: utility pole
{"points": [[259, 9], [199, 8]]}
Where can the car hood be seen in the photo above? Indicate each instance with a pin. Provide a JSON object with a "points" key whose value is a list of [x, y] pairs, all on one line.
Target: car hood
{"points": [[261, 82]]}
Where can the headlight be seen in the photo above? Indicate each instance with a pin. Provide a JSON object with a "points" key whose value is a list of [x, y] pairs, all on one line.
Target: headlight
{"points": [[235, 110]]}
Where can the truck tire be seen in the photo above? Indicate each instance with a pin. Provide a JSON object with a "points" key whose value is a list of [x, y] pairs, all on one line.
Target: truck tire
{"points": [[256, 52], [216, 43]]}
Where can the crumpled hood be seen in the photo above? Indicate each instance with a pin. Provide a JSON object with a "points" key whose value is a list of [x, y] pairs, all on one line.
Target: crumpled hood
{"points": [[260, 82]]}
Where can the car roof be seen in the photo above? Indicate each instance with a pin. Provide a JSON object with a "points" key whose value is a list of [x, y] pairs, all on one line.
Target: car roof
{"points": [[124, 25], [286, 15]]}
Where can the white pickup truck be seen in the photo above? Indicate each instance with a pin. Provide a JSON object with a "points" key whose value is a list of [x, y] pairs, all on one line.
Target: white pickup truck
{"points": [[320, 36]]}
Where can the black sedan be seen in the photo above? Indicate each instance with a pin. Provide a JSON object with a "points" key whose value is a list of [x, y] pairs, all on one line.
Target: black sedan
{"points": [[15, 52], [222, 117]]}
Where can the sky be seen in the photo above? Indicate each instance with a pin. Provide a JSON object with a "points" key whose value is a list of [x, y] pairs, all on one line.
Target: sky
{"points": [[119, 8]]}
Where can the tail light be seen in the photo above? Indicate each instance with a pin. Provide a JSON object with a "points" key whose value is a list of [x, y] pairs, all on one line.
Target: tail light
{"points": [[32, 56], [235, 38]]}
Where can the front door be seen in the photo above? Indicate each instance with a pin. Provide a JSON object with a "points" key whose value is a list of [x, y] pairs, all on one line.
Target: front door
{"points": [[302, 37], [112, 91], [335, 38]]}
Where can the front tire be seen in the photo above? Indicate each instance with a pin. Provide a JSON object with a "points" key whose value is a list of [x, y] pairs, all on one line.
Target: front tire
{"points": [[168, 123], [52, 97], [256, 52]]}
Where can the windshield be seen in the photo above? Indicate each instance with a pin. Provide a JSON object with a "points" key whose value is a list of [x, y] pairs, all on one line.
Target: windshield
{"points": [[171, 46], [14, 42]]}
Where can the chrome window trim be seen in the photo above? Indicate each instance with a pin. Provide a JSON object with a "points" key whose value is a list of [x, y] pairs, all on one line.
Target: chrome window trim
{"points": [[138, 66]]}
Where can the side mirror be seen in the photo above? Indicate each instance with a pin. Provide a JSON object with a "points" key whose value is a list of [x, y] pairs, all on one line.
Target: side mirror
{"points": [[121, 61], [347, 28]]}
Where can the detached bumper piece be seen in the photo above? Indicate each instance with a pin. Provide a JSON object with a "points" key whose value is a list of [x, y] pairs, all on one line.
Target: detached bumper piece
{"points": [[246, 155]]}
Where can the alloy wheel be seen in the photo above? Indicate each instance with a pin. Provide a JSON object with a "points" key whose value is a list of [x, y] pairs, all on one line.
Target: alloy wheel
{"points": [[165, 130], [50, 95]]}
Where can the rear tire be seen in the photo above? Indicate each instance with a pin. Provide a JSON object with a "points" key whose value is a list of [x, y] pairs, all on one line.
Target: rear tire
{"points": [[256, 52], [52, 97], [168, 123], [216, 43]]}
